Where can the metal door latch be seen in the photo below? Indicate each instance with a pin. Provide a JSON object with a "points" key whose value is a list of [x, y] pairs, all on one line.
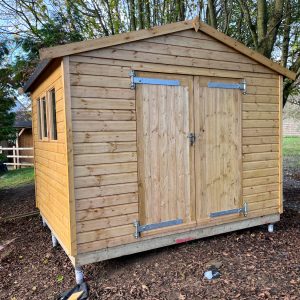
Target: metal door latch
{"points": [[192, 138], [243, 210]]}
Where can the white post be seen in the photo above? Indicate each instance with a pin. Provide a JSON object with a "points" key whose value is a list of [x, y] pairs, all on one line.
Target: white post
{"points": [[54, 240], [44, 222], [14, 157], [17, 152], [79, 275], [271, 228]]}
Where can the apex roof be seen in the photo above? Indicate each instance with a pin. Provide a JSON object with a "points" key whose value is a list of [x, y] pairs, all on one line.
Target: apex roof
{"points": [[47, 54]]}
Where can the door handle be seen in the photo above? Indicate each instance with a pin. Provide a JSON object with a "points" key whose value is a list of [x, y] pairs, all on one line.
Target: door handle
{"points": [[192, 138]]}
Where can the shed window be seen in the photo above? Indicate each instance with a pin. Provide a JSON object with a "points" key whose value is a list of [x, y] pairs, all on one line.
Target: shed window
{"points": [[42, 118], [53, 121], [39, 119]]}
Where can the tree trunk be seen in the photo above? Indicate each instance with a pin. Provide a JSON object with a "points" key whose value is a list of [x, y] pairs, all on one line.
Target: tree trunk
{"points": [[141, 14], [262, 20], [286, 35], [212, 13], [148, 14], [132, 15]]}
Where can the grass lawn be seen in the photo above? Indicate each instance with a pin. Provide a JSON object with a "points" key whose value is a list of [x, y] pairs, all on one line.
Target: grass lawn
{"points": [[291, 146], [16, 177]]}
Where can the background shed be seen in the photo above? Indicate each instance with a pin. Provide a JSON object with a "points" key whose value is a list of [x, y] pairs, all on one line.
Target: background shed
{"points": [[172, 154]]}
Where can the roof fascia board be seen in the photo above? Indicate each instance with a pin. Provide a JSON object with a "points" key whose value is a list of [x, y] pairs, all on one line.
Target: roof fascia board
{"points": [[225, 39]]}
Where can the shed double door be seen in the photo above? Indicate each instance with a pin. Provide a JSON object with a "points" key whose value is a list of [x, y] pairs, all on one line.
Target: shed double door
{"points": [[188, 151]]}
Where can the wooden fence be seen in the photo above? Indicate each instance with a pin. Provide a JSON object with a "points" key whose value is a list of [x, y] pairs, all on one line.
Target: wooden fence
{"points": [[17, 158]]}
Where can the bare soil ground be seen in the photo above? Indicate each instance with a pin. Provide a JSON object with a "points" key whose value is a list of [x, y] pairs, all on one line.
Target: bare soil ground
{"points": [[256, 264]]}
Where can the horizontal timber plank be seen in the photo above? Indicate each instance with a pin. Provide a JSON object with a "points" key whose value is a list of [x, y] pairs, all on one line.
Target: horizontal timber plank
{"points": [[260, 173], [110, 147], [100, 180], [103, 115], [98, 103], [98, 92], [260, 107], [254, 165], [88, 126], [273, 203], [262, 90], [106, 212], [103, 234], [261, 197], [260, 156], [94, 246], [106, 201], [257, 132], [104, 158], [89, 68], [106, 223], [259, 140], [90, 170], [107, 190], [254, 115], [261, 99], [98, 137], [260, 123], [100, 81], [260, 189], [260, 180], [260, 148]]}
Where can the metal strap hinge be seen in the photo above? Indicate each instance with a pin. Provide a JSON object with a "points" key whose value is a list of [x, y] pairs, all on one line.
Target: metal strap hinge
{"points": [[243, 210], [223, 85], [141, 228], [153, 81]]}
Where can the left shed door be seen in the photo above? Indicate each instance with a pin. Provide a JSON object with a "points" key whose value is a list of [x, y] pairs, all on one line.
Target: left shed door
{"points": [[165, 157]]}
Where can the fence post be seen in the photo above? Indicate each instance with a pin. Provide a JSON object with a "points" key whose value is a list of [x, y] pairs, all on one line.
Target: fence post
{"points": [[17, 152], [14, 157]]}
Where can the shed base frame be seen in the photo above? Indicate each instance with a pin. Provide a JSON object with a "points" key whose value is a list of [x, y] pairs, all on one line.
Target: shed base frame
{"points": [[170, 239]]}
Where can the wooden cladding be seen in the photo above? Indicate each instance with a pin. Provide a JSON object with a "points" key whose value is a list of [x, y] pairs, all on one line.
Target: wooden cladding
{"points": [[109, 121]]}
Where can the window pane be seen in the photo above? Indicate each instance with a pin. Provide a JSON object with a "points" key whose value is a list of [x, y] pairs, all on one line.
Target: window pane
{"points": [[39, 125], [53, 115], [45, 131]]}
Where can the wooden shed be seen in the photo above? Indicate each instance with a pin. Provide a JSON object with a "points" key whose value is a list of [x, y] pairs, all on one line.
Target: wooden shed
{"points": [[155, 137]]}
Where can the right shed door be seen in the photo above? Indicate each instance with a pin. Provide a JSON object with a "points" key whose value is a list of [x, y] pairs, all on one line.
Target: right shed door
{"points": [[218, 157]]}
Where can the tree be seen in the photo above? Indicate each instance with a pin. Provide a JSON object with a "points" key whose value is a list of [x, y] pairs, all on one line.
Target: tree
{"points": [[7, 117]]}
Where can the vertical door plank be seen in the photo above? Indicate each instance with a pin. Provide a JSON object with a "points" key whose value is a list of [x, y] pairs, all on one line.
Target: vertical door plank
{"points": [[163, 153]]}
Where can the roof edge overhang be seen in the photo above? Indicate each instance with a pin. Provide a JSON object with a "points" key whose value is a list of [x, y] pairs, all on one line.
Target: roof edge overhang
{"points": [[43, 64], [47, 54]]}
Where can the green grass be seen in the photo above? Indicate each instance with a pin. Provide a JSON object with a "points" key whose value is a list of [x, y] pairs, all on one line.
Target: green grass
{"points": [[291, 146], [15, 178]]}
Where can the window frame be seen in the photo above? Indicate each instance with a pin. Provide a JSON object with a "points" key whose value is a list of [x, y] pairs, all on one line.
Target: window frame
{"points": [[41, 114], [46, 97], [53, 134]]}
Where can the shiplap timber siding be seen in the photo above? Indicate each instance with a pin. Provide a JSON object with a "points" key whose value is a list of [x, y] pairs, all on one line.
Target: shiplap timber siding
{"points": [[50, 160], [105, 137]]}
